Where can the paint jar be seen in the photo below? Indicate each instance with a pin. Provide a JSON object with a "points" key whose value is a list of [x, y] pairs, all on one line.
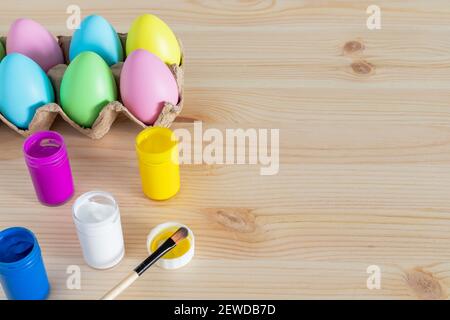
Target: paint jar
{"points": [[97, 219], [157, 151], [48, 163], [22, 270], [179, 256]]}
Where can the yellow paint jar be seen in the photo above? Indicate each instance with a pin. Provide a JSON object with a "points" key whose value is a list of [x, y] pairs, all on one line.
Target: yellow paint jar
{"points": [[157, 150]]}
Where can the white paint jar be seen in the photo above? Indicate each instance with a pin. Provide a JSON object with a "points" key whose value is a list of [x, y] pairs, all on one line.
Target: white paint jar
{"points": [[97, 219]]}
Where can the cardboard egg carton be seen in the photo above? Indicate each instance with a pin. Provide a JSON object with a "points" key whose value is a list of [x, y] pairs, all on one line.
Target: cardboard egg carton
{"points": [[46, 115]]}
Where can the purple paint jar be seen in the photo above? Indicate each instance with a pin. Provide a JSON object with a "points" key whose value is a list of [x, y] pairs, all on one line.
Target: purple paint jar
{"points": [[48, 163]]}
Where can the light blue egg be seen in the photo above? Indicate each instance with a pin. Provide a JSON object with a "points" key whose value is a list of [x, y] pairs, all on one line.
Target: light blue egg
{"points": [[24, 87], [96, 34]]}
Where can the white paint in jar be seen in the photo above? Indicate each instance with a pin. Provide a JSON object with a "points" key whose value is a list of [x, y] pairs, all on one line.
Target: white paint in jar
{"points": [[97, 219]]}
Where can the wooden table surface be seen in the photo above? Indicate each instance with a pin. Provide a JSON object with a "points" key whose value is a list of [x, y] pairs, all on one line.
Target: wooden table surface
{"points": [[364, 119]]}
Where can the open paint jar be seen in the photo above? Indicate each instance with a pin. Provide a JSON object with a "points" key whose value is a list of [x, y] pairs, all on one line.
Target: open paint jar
{"points": [[22, 270], [179, 256], [157, 150], [97, 218], [48, 163]]}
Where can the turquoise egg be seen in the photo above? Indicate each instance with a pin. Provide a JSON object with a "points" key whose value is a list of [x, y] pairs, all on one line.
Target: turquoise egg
{"points": [[97, 35], [24, 87]]}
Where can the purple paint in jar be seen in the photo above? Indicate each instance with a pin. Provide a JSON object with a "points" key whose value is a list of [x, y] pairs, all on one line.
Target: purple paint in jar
{"points": [[48, 163]]}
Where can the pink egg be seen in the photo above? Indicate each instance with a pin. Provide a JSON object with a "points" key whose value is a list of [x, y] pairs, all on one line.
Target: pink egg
{"points": [[145, 84], [34, 41]]}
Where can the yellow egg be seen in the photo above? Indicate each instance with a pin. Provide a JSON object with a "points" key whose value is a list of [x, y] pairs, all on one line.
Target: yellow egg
{"points": [[152, 34]]}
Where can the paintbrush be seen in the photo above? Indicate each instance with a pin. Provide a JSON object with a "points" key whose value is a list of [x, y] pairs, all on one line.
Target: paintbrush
{"points": [[168, 245]]}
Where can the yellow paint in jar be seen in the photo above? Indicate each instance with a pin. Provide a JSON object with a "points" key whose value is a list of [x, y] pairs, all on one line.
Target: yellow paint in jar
{"points": [[181, 249], [157, 150]]}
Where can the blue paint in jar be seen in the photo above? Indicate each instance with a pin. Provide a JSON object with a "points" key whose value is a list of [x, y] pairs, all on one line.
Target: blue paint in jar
{"points": [[22, 270]]}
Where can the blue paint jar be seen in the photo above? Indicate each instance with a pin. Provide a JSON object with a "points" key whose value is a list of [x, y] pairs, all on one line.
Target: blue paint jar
{"points": [[22, 270]]}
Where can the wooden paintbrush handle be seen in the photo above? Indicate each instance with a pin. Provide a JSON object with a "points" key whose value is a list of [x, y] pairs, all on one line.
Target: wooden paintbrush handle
{"points": [[117, 290]]}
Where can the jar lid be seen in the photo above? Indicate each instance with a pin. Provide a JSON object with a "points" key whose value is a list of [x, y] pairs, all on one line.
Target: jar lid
{"points": [[156, 145], [179, 256]]}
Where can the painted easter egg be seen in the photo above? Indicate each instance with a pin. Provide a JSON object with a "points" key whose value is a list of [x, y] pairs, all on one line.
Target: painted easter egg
{"points": [[154, 35], [34, 41], [87, 86], [24, 87], [97, 35], [145, 84], [2, 51]]}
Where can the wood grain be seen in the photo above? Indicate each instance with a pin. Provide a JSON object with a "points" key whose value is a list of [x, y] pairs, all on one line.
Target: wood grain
{"points": [[365, 153]]}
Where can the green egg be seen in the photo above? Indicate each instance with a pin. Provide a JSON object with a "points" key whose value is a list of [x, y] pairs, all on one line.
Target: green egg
{"points": [[87, 86], [2, 51]]}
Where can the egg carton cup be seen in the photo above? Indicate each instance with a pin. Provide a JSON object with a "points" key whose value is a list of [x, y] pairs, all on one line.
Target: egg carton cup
{"points": [[46, 115]]}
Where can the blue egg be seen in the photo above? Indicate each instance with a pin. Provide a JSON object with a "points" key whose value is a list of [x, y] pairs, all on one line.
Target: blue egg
{"points": [[97, 35], [24, 87]]}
